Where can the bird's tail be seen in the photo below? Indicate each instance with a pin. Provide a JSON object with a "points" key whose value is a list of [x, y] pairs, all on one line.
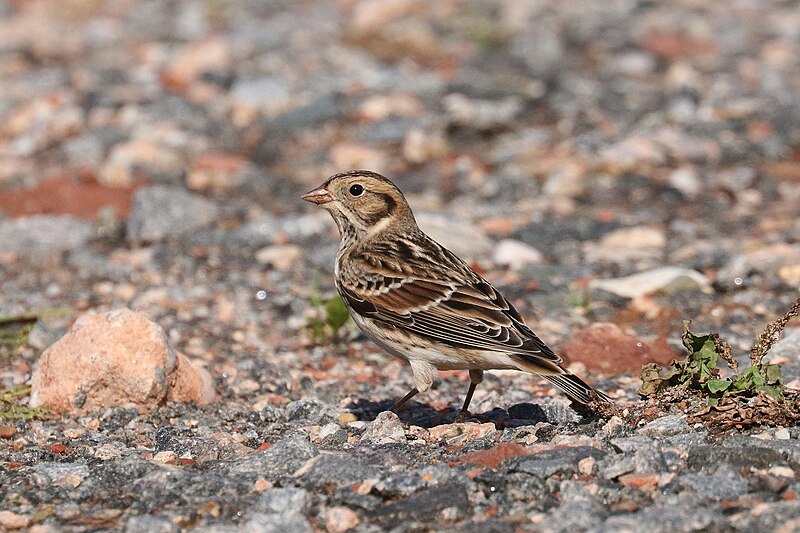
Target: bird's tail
{"points": [[573, 386], [576, 388]]}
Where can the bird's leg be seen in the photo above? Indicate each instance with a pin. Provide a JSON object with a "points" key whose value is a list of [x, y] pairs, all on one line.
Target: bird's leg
{"points": [[464, 415], [413, 392], [475, 377]]}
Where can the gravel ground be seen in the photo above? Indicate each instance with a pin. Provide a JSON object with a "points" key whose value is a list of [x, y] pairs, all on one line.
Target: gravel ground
{"points": [[152, 155]]}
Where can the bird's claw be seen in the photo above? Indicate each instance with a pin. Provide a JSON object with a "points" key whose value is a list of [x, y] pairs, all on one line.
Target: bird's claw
{"points": [[463, 416]]}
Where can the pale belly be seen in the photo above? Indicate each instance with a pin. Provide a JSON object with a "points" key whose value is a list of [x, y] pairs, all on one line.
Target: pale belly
{"points": [[440, 356]]}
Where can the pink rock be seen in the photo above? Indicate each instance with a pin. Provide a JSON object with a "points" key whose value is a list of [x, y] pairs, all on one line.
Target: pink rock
{"points": [[604, 348], [340, 519], [118, 358]]}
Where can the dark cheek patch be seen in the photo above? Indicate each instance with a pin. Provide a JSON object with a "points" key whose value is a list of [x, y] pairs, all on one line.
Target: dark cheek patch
{"points": [[391, 205], [385, 206]]}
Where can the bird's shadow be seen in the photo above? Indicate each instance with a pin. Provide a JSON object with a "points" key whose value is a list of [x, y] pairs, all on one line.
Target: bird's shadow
{"points": [[413, 413], [423, 415]]}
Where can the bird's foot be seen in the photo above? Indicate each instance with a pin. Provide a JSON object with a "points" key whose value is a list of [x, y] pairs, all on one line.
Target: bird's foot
{"points": [[463, 416]]}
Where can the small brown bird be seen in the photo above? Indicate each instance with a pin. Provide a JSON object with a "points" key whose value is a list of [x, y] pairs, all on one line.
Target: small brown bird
{"points": [[418, 301]]}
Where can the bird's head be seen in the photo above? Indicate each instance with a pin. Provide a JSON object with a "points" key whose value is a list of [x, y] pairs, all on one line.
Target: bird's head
{"points": [[364, 203]]}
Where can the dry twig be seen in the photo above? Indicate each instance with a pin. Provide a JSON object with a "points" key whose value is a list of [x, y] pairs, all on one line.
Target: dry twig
{"points": [[771, 334]]}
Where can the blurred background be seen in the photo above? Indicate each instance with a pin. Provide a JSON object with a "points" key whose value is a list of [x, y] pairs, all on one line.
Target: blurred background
{"points": [[613, 167], [152, 154]]}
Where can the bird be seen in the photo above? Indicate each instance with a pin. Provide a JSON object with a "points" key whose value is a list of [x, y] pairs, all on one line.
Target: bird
{"points": [[420, 302]]}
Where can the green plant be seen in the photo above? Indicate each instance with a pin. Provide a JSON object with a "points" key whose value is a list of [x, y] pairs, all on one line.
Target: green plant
{"points": [[331, 315], [14, 330], [580, 298], [10, 408], [699, 371]]}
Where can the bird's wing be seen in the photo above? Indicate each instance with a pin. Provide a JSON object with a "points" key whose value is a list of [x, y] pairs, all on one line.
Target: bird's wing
{"points": [[462, 311]]}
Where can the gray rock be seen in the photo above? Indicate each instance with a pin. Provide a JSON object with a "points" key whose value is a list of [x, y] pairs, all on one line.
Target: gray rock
{"points": [[697, 437], [149, 524], [649, 459], [427, 504], [396, 485], [546, 463], [386, 428], [727, 485], [438, 473], [282, 458], [788, 449], [776, 516], [665, 426], [574, 516], [616, 466], [489, 525], [43, 234], [674, 460], [59, 473], [310, 409], [679, 518], [631, 444], [710, 457], [45, 333], [277, 523], [327, 430], [284, 500], [580, 510], [339, 471], [162, 212]]}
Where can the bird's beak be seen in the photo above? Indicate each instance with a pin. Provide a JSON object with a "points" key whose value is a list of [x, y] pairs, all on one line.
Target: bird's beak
{"points": [[318, 196]]}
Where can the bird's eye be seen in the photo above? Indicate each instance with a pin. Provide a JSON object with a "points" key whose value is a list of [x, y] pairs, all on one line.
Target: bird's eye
{"points": [[356, 189]]}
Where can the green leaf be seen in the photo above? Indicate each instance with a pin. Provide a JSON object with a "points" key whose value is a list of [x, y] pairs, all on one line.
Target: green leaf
{"points": [[699, 344], [773, 392], [708, 349], [717, 385], [772, 373], [745, 380]]}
